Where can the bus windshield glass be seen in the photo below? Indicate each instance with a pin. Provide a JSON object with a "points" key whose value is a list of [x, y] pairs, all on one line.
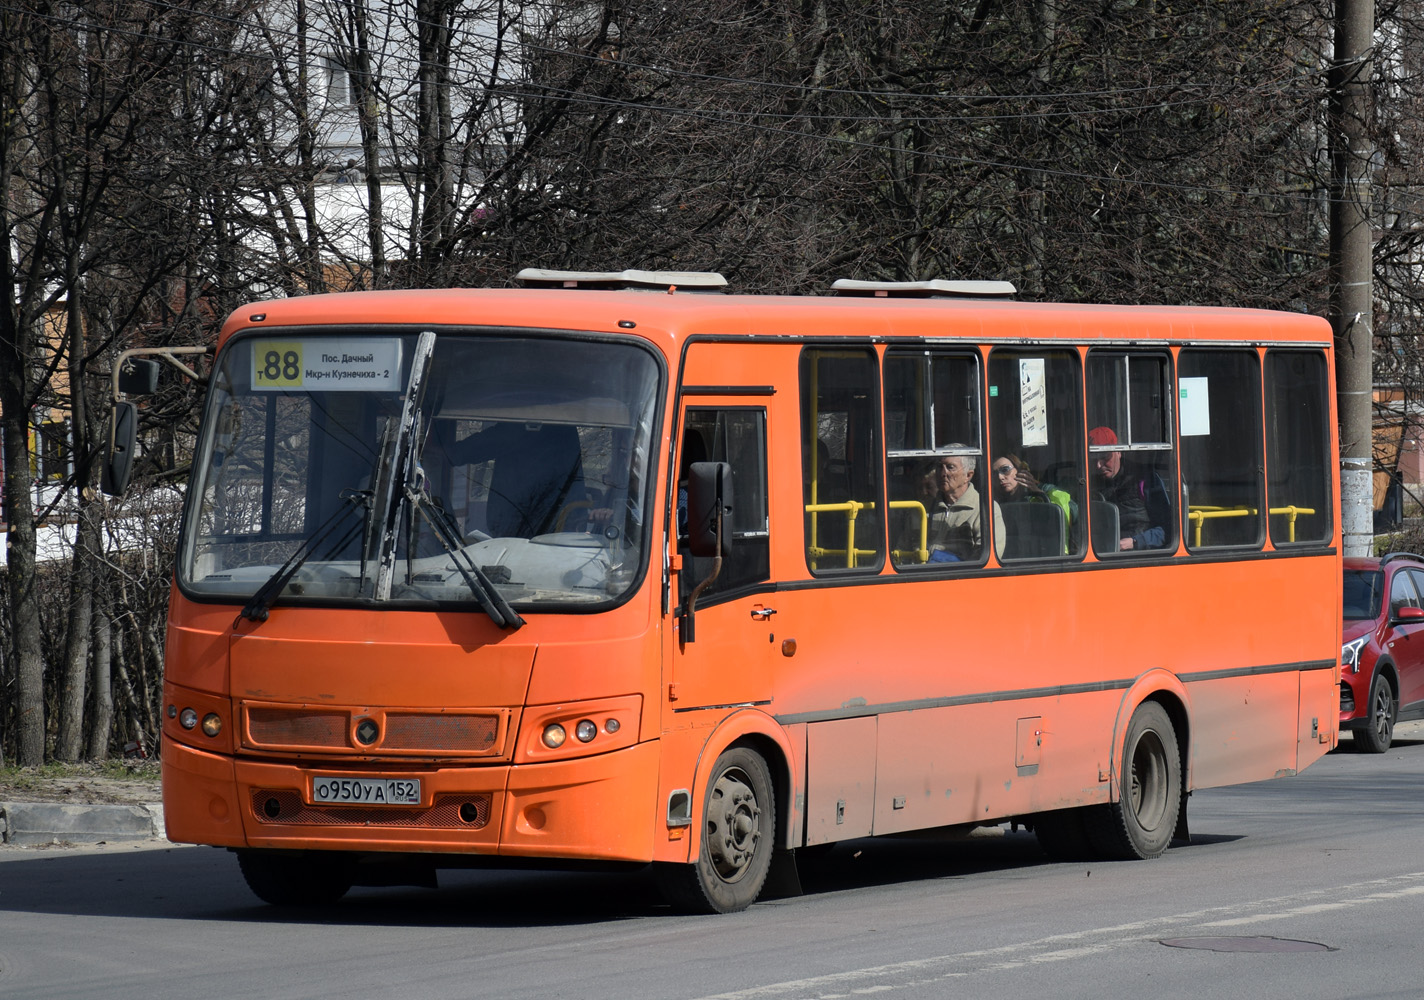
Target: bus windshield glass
{"points": [[409, 467]]}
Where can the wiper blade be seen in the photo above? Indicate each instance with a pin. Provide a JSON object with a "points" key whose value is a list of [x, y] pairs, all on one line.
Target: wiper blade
{"points": [[488, 596], [256, 609]]}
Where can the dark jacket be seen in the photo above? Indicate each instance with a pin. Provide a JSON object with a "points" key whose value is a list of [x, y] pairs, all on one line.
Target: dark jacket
{"points": [[1143, 508]]}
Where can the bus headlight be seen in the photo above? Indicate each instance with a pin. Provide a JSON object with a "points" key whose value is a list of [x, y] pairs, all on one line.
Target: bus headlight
{"points": [[585, 730], [187, 718], [554, 736], [212, 724], [1350, 654]]}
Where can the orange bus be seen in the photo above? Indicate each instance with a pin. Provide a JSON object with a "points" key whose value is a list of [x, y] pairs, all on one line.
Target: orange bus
{"points": [[621, 569]]}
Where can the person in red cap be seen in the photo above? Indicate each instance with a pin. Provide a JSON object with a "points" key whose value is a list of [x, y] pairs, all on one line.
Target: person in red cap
{"points": [[1141, 499]]}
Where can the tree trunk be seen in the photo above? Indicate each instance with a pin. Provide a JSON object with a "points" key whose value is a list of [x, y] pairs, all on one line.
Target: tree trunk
{"points": [[101, 719], [74, 664], [24, 601]]}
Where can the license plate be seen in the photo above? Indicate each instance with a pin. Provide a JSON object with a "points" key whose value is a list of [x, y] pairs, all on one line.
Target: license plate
{"points": [[366, 791]]}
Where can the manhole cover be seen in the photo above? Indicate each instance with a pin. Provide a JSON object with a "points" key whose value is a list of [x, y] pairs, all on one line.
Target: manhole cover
{"points": [[1271, 944]]}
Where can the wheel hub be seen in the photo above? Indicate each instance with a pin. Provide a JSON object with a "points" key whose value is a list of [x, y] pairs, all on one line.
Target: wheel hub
{"points": [[732, 825]]}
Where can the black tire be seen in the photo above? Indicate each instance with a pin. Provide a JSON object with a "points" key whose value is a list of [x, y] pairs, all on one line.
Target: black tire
{"points": [[738, 836], [1378, 733], [1141, 822], [294, 878], [1063, 835]]}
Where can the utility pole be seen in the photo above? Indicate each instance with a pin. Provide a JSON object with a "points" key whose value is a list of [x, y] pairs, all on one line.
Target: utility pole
{"points": [[1351, 265]]}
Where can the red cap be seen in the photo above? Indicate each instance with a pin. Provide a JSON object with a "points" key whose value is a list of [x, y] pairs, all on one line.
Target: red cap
{"points": [[1102, 436]]}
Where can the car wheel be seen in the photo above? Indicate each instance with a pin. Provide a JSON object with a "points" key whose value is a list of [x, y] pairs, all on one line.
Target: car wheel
{"points": [[1379, 729]]}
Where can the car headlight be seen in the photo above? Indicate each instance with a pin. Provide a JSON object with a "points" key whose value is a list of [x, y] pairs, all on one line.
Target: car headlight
{"points": [[1350, 654]]}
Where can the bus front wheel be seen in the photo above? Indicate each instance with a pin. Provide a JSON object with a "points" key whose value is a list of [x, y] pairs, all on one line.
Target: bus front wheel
{"points": [[1141, 822], [294, 878], [738, 835]]}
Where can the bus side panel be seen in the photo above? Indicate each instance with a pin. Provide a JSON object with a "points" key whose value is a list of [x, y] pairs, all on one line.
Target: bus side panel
{"points": [[1319, 715], [840, 795], [1244, 728], [980, 763]]}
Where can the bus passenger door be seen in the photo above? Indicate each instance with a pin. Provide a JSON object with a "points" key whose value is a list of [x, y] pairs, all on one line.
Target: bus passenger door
{"points": [[730, 660]]}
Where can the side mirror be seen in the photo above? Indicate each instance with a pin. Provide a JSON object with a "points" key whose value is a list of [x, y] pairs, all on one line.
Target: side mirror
{"points": [[138, 377], [1412, 615], [709, 506], [118, 463]]}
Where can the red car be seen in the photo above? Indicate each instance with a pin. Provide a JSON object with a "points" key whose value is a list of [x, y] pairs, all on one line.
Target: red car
{"points": [[1382, 656]]}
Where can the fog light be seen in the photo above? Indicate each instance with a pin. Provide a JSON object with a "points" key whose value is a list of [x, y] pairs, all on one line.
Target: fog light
{"points": [[187, 718], [611, 726], [554, 736], [271, 808], [212, 724], [585, 730]]}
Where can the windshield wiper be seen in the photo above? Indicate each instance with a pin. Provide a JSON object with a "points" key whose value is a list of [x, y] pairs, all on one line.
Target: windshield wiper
{"points": [[256, 609], [447, 533], [395, 465]]}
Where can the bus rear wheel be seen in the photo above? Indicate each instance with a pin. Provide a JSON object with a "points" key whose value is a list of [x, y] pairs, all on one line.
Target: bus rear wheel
{"points": [[738, 835], [294, 878], [1141, 822]]}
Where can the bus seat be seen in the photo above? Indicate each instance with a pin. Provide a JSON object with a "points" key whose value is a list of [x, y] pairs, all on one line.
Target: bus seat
{"points": [[1106, 532], [1033, 530]]}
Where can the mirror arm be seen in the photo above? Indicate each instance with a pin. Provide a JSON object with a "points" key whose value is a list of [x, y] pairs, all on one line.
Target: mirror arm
{"points": [[688, 631]]}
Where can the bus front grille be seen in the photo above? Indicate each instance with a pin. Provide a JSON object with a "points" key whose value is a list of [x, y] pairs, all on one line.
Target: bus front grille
{"points": [[374, 731]]}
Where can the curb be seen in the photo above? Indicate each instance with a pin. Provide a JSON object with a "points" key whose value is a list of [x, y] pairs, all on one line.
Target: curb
{"points": [[30, 824]]}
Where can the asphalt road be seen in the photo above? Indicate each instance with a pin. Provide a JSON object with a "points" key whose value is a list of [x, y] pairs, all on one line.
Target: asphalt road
{"points": [[1300, 888]]}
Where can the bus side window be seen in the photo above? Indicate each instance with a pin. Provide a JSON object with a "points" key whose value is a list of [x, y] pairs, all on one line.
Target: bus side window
{"points": [[1298, 459], [1130, 455], [737, 436], [1036, 459], [939, 506], [841, 460], [1220, 425]]}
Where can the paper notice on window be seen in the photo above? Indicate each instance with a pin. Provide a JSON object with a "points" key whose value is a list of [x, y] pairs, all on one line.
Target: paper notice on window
{"points": [[1033, 404], [1195, 408]]}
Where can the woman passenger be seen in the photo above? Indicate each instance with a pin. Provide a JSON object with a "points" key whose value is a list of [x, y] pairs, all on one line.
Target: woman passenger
{"points": [[1014, 482]]}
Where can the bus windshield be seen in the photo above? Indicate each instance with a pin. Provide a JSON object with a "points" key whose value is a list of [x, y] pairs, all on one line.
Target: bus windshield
{"points": [[408, 467]]}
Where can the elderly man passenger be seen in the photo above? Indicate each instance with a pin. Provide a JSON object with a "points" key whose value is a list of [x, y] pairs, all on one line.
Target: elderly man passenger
{"points": [[956, 528]]}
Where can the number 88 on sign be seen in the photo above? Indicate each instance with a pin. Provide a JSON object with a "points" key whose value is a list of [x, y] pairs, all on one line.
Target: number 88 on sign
{"points": [[277, 364]]}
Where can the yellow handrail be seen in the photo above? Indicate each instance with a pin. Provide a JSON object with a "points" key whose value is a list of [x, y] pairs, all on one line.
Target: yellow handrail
{"points": [[1199, 514], [924, 550], [852, 509]]}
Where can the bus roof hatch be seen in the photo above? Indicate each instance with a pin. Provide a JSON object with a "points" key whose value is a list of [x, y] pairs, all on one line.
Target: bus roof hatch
{"points": [[683, 281], [935, 288]]}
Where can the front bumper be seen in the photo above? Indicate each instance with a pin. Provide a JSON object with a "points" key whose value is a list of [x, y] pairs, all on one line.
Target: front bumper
{"points": [[601, 807]]}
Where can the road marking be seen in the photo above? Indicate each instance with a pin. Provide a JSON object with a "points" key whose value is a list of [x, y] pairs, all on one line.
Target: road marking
{"points": [[877, 979]]}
